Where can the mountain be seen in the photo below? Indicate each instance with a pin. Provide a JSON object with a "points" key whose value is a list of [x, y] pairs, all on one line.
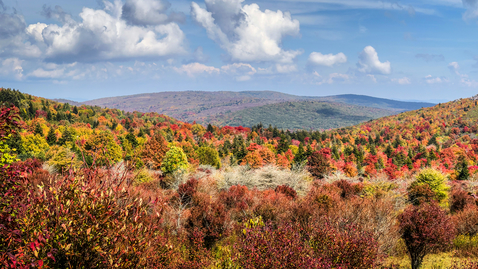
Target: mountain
{"points": [[363, 100], [230, 107], [294, 115]]}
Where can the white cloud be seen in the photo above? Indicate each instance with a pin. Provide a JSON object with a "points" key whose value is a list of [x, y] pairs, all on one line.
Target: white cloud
{"points": [[104, 35], [337, 77], [435, 80], [12, 67], [317, 58], [402, 81], [286, 68], [194, 69], [454, 68], [149, 12], [241, 71], [370, 63], [245, 32], [41, 73]]}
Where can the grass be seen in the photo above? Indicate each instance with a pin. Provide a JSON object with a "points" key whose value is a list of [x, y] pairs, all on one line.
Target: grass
{"points": [[431, 261]]}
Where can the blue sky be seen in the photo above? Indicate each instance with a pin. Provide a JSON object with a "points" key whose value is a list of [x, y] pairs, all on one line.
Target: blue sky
{"points": [[81, 50]]}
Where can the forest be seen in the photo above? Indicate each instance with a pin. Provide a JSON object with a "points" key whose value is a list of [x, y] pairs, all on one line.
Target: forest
{"points": [[91, 187]]}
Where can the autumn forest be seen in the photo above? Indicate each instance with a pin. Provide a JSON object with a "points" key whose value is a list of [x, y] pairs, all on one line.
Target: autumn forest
{"points": [[95, 187]]}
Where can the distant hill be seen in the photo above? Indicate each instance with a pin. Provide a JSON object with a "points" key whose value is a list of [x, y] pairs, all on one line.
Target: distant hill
{"points": [[302, 115], [363, 100], [231, 107], [64, 101]]}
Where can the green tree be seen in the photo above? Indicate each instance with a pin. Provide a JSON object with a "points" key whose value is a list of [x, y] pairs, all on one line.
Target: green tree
{"points": [[51, 137], [174, 160], [462, 171], [208, 156]]}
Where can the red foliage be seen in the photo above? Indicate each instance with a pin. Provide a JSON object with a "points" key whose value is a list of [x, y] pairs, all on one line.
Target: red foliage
{"points": [[459, 199], [348, 190], [318, 164], [281, 247], [187, 190], [208, 218], [287, 191], [425, 228]]}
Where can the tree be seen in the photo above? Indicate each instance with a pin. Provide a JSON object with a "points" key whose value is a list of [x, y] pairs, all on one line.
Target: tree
{"points": [[462, 170], [209, 156], [154, 151], [424, 229], [435, 180], [51, 137], [318, 164], [175, 159]]}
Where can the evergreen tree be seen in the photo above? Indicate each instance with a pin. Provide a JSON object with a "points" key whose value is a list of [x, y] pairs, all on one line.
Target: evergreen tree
{"points": [[463, 172], [38, 130], [210, 128], [75, 110], [51, 137]]}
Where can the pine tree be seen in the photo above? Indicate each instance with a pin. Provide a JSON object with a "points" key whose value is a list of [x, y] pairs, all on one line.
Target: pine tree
{"points": [[51, 137], [463, 173], [38, 130]]}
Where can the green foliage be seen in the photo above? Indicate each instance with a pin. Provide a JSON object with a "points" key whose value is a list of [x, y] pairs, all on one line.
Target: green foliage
{"points": [[34, 145], [143, 176], [435, 180], [103, 149], [208, 156], [62, 158], [175, 159], [7, 155]]}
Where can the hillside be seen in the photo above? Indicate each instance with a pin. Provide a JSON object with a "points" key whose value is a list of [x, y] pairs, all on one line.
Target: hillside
{"points": [[204, 107], [130, 175], [363, 100], [302, 115]]}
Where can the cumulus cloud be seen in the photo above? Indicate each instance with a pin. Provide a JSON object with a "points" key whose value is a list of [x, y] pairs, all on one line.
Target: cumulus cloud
{"points": [[317, 58], [41, 73], [370, 63], [286, 68], [11, 24], [104, 35], [194, 69], [402, 81], [12, 67], [149, 12], [430, 57], [245, 32]]}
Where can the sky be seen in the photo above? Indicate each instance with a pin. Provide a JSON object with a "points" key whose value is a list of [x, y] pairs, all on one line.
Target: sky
{"points": [[81, 50]]}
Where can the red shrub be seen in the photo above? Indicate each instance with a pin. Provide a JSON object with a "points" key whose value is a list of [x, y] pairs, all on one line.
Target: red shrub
{"points": [[348, 190], [425, 228], [459, 199], [283, 247], [418, 194], [209, 218], [287, 191], [345, 245], [236, 196], [187, 190], [466, 221]]}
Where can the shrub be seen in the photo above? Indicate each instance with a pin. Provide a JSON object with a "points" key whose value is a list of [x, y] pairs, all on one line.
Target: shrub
{"points": [[435, 180], [209, 156], [466, 221], [318, 165], [348, 190], [424, 229], [143, 176], [174, 160], [208, 218], [346, 245], [263, 246], [187, 190], [62, 158], [287, 191], [418, 194], [236, 196], [459, 199], [466, 245]]}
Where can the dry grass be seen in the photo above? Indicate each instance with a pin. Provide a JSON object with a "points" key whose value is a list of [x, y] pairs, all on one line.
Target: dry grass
{"points": [[431, 261], [267, 177]]}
